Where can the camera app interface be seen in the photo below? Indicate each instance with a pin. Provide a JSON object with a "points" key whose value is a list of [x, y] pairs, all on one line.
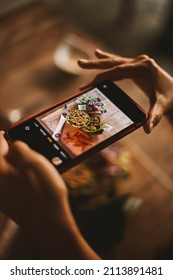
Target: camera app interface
{"points": [[83, 122]]}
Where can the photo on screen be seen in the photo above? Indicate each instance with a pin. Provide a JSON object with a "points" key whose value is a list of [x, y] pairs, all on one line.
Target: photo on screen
{"points": [[84, 122]]}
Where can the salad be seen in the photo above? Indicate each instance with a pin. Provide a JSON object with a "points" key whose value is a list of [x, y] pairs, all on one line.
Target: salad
{"points": [[88, 115], [78, 118], [93, 105]]}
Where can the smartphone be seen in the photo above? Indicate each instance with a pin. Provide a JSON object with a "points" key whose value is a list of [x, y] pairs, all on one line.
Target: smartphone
{"points": [[72, 130]]}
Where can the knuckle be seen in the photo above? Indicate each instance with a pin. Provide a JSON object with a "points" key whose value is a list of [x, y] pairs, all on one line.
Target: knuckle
{"points": [[118, 60], [147, 61], [113, 60], [143, 57], [151, 62]]}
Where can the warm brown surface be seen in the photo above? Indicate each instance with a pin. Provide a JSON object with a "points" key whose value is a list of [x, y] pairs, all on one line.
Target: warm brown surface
{"points": [[149, 230], [30, 80]]}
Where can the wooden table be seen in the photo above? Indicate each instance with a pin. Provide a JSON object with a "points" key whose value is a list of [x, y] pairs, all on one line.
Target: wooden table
{"points": [[29, 78]]}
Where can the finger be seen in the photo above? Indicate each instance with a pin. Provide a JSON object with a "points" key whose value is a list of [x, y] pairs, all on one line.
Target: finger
{"points": [[28, 159], [116, 73], [96, 64], [100, 64], [106, 55], [23, 156], [14, 155], [101, 54], [155, 114], [3, 145]]}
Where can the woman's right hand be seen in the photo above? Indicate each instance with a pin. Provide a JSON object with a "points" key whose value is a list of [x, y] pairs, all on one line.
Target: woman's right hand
{"points": [[34, 194], [145, 72]]}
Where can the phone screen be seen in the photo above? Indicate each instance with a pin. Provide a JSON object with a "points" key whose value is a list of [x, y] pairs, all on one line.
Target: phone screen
{"points": [[80, 125], [90, 119]]}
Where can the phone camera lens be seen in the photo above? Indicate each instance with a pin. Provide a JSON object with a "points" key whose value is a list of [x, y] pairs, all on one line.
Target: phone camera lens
{"points": [[27, 128], [105, 86]]}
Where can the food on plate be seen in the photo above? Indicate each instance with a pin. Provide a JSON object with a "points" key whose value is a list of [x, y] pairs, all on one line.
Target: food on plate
{"points": [[92, 105], [82, 120], [78, 118], [78, 138], [95, 124], [95, 119], [87, 116]]}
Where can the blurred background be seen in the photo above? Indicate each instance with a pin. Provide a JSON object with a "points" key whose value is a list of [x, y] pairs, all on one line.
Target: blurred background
{"points": [[40, 42], [131, 27]]}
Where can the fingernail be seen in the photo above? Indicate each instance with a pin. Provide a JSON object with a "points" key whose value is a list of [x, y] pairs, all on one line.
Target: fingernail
{"points": [[99, 50], [151, 126], [83, 60]]}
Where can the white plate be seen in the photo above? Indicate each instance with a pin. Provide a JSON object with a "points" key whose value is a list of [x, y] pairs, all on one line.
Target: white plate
{"points": [[68, 52]]}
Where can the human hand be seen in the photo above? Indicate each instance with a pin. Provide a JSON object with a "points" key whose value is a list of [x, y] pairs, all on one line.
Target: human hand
{"points": [[34, 194], [145, 72], [29, 184]]}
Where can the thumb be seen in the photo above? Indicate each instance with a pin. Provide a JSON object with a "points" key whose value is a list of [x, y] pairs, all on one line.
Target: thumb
{"points": [[155, 114], [3, 145], [25, 159]]}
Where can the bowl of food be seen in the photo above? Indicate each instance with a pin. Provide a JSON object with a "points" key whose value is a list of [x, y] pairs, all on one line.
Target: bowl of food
{"points": [[95, 125], [78, 118]]}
